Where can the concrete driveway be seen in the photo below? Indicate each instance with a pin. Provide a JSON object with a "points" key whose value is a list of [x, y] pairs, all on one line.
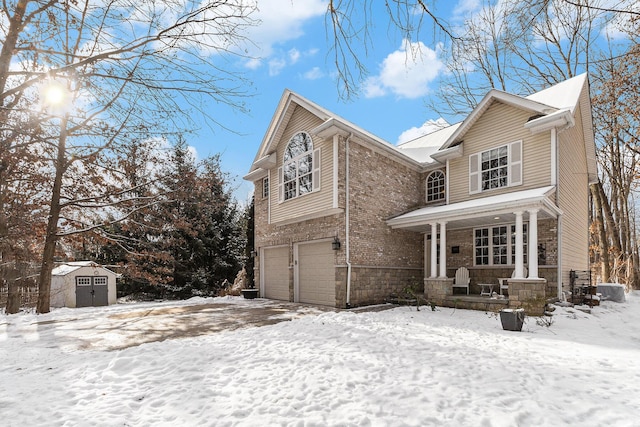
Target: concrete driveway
{"points": [[126, 325]]}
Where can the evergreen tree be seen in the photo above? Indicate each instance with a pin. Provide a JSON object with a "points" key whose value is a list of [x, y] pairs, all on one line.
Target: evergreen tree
{"points": [[202, 233], [251, 247]]}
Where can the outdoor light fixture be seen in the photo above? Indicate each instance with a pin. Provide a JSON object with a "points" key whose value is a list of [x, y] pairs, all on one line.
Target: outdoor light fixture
{"points": [[335, 245]]}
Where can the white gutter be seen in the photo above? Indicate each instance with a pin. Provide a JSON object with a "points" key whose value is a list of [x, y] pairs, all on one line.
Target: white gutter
{"points": [[347, 240], [559, 120], [255, 175]]}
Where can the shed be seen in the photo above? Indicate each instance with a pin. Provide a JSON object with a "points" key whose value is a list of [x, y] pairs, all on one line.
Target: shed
{"points": [[82, 284]]}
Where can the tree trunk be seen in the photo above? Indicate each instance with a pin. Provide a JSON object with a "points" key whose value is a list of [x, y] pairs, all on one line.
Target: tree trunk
{"points": [[603, 247], [613, 233], [13, 290], [44, 280]]}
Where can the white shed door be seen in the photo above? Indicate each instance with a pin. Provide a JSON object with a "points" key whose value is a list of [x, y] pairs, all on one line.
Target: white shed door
{"points": [[316, 274], [276, 273]]}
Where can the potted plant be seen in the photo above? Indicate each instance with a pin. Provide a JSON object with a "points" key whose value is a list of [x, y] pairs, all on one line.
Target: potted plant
{"points": [[248, 288], [512, 320], [250, 292]]}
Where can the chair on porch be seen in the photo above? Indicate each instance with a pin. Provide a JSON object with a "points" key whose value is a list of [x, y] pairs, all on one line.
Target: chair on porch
{"points": [[462, 279], [504, 285]]}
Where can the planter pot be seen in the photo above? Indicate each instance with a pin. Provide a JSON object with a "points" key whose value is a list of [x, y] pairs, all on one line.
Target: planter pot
{"points": [[249, 293], [512, 320]]}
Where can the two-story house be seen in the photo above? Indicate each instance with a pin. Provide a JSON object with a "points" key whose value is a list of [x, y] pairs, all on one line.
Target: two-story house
{"points": [[343, 218]]}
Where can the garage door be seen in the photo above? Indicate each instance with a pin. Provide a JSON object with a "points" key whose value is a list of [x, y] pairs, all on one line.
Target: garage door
{"points": [[276, 273], [316, 274]]}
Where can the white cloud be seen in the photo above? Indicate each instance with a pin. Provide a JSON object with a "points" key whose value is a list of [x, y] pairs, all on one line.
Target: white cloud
{"points": [[464, 8], [426, 128], [194, 152], [313, 74], [617, 27], [253, 64], [406, 72], [294, 55], [278, 62], [281, 21], [276, 65]]}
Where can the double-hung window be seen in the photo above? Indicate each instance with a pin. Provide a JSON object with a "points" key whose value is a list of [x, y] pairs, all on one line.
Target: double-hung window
{"points": [[497, 245], [300, 170], [496, 168]]}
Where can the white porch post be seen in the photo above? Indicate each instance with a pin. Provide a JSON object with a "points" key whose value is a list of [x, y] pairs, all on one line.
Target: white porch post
{"points": [[443, 250], [519, 272], [434, 251], [533, 244]]}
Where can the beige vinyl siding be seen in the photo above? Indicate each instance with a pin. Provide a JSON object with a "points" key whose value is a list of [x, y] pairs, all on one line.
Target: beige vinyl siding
{"points": [[308, 204], [573, 199], [500, 125]]}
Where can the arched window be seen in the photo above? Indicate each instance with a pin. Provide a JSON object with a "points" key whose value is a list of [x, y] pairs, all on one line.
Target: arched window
{"points": [[300, 171], [435, 186]]}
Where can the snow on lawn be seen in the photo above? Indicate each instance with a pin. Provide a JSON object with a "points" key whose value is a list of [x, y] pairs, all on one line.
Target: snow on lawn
{"points": [[393, 367]]}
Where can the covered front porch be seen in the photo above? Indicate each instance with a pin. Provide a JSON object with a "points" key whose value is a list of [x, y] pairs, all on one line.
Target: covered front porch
{"points": [[498, 237]]}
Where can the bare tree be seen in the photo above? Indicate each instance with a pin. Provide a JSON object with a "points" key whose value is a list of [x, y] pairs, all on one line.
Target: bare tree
{"points": [[615, 110], [350, 22], [123, 70], [507, 29]]}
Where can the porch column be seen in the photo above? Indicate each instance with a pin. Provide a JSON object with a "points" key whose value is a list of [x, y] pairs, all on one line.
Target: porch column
{"points": [[443, 250], [434, 251], [533, 244], [519, 272]]}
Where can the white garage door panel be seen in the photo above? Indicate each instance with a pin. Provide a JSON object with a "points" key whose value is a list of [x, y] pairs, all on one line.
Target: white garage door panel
{"points": [[316, 272], [276, 273]]}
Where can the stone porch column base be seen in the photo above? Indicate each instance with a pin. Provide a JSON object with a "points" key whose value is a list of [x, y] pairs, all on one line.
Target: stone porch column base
{"points": [[436, 289], [529, 294]]}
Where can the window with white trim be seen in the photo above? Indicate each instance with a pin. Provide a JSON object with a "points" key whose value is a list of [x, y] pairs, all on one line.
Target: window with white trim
{"points": [[83, 281], [99, 280], [496, 168], [265, 187], [497, 245], [300, 170], [435, 186]]}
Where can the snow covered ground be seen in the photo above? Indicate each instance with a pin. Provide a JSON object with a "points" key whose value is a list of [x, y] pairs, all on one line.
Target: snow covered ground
{"points": [[394, 367]]}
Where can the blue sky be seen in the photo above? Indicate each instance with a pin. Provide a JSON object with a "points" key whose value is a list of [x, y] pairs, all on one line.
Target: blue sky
{"points": [[292, 48]]}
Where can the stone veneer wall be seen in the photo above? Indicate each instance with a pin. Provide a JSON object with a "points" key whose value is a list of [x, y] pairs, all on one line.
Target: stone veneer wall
{"points": [[436, 290], [529, 294], [374, 285]]}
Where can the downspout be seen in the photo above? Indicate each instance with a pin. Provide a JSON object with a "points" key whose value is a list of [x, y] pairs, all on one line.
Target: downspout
{"points": [[556, 178], [347, 239]]}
